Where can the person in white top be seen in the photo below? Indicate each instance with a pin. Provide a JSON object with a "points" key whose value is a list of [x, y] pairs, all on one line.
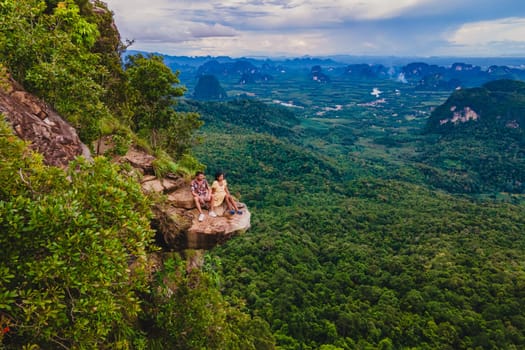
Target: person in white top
{"points": [[219, 189]]}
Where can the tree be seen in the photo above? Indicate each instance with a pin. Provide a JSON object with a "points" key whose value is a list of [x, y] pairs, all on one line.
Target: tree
{"points": [[153, 100], [187, 311], [50, 55]]}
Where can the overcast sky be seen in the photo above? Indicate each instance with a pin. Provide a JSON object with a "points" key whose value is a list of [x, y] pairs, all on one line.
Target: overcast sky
{"points": [[324, 27]]}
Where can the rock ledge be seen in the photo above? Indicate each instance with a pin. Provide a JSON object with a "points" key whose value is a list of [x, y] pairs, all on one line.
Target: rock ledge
{"points": [[176, 218]]}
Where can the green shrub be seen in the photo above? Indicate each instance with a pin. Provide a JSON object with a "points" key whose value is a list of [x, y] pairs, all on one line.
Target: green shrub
{"points": [[74, 250]]}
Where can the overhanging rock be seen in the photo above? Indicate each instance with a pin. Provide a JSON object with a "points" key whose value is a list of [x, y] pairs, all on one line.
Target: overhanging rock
{"points": [[176, 218]]}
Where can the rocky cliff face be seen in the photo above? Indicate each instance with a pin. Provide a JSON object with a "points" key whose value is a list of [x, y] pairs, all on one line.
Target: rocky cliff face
{"points": [[175, 214], [34, 121]]}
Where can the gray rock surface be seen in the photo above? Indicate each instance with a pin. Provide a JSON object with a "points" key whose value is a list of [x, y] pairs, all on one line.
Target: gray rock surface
{"points": [[33, 120]]}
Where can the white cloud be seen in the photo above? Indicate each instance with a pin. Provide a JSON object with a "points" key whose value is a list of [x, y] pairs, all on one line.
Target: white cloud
{"points": [[157, 21], [506, 29], [496, 37], [289, 26], [252, 43], [313, 13], [259, 14], [320, 27]]}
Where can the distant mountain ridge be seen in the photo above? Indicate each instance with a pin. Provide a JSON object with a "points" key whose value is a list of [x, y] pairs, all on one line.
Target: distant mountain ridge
{"points": [[247, 71], [344, 60], [430, 74]]}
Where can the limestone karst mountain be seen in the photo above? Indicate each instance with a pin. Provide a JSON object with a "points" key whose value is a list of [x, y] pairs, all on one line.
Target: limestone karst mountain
{"points": [[499, 104], [209, 88]]}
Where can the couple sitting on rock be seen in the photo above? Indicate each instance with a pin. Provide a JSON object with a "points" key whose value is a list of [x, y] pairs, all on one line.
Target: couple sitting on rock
{"points": [[213, 196]]}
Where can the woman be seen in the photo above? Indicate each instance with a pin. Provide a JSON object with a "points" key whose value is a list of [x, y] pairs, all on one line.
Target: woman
{"points": [[219, 188]]}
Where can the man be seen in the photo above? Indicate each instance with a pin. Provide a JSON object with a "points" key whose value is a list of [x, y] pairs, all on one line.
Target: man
{"points": [[200, 189]]}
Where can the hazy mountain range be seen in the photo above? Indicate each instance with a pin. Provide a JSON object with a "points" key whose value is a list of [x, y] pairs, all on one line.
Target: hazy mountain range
{"points": [[433, 73]]}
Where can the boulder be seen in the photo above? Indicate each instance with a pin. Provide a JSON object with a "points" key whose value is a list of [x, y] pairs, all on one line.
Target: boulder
{"points": [[140, 160], [171, 224], [182, 198], [153, 186], [147, 178], [170, 183], [176, 217]]}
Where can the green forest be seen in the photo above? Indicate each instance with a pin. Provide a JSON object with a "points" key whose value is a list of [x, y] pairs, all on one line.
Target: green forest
{"points": [[346, 255], [368, 231]]}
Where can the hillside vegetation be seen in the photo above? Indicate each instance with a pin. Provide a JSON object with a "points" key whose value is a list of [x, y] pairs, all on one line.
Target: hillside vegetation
{"points": [[78, 267], [372, 226]]}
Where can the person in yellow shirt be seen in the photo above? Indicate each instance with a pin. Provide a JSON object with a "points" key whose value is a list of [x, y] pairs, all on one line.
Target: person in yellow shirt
{"points": [[219, 189]]}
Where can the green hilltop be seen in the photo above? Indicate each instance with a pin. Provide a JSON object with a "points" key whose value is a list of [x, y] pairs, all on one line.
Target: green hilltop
{"points": [[371, 249], [485, 150], [498, 104]]}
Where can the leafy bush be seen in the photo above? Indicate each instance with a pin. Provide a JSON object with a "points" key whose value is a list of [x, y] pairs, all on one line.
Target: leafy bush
{"points": [[50, 54], [76, 271], [74, 250]]}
